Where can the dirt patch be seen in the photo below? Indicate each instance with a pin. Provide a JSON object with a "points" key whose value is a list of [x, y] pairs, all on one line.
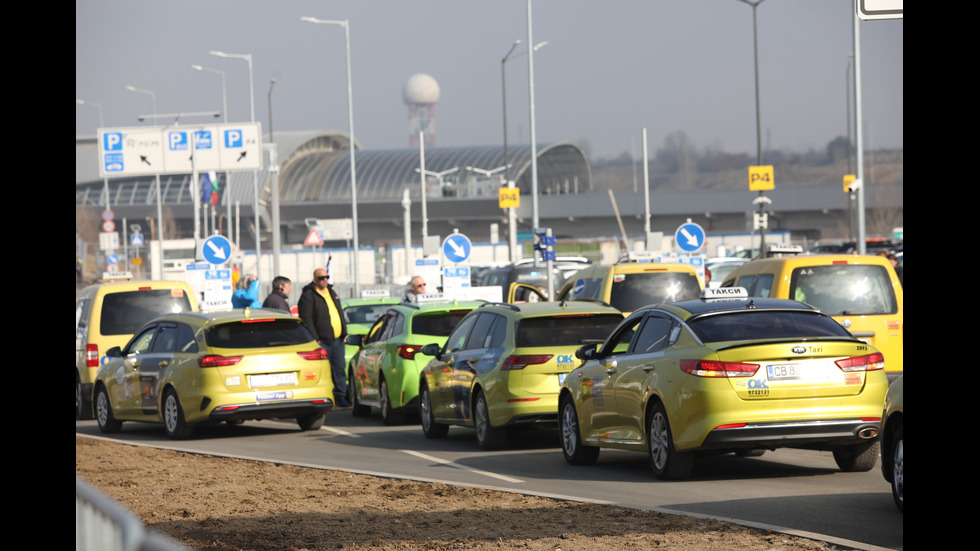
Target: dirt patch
{"points": [[218, 503]]}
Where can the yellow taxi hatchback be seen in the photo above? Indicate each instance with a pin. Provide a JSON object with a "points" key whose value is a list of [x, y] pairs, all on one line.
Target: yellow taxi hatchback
{"points": [[186, 369], [107, 315], [862, 293], [629, 286]]}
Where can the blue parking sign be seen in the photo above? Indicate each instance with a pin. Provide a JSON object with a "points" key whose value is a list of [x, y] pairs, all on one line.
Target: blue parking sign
{"points": [[234, 138]]}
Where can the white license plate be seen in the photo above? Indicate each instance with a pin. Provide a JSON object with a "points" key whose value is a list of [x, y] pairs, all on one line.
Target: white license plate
{"points": [[272, 379], [785, 371]]}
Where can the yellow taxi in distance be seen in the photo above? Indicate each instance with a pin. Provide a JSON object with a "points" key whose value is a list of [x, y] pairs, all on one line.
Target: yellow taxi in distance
{"points": [[107, 315], [862, 293], [186, 369], [726, 373], [630, 285], [502, 366]]}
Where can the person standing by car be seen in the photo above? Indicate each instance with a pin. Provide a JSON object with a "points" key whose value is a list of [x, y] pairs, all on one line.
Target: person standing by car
{"points": [[247, 293], [321, 312], [415, 288], [278, 298]]}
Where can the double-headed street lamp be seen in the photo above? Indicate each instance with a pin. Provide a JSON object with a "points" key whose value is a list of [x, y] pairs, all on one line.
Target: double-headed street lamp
{"points": [[224, 110], [503, 89], [255, 173], [758, 123], [105, 181], [350, 131]]}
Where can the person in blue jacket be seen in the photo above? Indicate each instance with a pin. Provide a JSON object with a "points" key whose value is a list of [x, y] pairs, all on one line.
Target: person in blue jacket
{"points": [[247, 293]]}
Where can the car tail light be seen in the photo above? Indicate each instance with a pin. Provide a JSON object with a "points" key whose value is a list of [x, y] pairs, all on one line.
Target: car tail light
{"points": [[870, 362], [92, 355], [522, 361], [408, 351], [708, 368], [318, 354], [214, 360]]}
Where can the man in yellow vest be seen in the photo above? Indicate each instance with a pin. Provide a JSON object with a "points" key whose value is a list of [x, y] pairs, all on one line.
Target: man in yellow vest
{"points": [[319, 308]]}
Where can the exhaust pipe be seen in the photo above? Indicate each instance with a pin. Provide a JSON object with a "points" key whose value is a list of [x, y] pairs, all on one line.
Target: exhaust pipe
{"points": [[868, 434]]}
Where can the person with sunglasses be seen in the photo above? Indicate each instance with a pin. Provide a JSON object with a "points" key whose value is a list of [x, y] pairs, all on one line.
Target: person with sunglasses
{"points": [[415, 288], [319, 308]]}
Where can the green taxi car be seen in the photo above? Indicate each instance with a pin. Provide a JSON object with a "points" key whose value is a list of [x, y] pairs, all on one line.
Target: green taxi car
{"points": [[182, 370], [503, 365], [384, 373], [729, 374], [361, 313]]}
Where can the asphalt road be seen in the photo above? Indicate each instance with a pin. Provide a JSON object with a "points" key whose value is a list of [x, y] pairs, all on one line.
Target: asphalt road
{"points": [[791, 490]]}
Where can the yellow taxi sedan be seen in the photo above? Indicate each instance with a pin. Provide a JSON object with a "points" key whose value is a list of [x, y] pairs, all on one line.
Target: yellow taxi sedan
{"points": [[726, 373], [182, 370]]}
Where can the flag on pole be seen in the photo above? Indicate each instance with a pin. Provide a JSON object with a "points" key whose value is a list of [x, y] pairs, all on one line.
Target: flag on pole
{"points": [[210, 188]]}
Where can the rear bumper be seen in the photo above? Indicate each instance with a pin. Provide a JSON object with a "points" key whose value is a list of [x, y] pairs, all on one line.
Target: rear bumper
{"points": [[820, 434], [286, 409]]}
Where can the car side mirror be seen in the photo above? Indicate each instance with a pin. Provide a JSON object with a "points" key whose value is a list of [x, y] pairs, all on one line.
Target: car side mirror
{"points": [[586, 351], [114, 352], [432, 349], [354, 340]]}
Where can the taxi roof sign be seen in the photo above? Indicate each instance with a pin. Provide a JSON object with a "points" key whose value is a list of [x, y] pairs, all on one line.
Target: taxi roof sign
{"points": [[724, 293]]}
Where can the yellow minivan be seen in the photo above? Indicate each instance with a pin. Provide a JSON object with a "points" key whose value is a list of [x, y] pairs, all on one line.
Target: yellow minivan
{"points": [[108, 314], [629, 286], [862, 293]]}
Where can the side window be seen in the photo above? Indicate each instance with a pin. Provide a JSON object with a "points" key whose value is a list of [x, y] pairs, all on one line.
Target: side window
{"points": [[141, 343], [653, 336], [378, 329], [81, 313], [186, 343], [757, 285], [393, 325], [166, 340], [619, 342], [457, 338], [498, 333]]}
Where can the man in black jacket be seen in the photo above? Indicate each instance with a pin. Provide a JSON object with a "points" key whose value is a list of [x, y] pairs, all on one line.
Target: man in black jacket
{"points": [[321, 312], [279, 297]]}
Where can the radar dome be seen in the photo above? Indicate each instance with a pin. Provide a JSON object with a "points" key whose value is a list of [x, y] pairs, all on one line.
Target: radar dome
{"points": [[421, 88]]}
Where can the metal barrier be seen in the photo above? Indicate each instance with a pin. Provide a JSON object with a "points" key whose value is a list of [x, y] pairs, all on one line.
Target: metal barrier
{"points": [[101, 524]]}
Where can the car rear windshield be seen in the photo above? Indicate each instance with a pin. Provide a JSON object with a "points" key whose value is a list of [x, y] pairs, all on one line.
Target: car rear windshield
{"points": [[630, 292], [124, 313], [439, 324], [367, 313], [739, 326], [257, 334], [565, 330], [844, 289]]}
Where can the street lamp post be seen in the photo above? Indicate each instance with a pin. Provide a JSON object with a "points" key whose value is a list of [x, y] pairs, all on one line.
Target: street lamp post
{"points": [[274, 172], [534, 145], [224, 111], [350, 131], [255, 173], [503, 94], [758, 121], [157, 266], [105, 180]]}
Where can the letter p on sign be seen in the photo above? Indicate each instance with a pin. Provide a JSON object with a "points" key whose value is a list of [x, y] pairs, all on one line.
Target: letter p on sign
{"points": [[761, 178]]}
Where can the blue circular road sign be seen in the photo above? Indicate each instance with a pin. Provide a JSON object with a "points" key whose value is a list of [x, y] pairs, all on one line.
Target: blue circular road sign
{"points": [[689, 237], [457, 248], [216, 249]]}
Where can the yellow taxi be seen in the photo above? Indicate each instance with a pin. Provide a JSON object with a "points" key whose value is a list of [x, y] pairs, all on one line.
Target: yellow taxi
{"points": [[501, 367], [107, 315], [632, 284], [725, 373], [186, 369], [863, 293]]}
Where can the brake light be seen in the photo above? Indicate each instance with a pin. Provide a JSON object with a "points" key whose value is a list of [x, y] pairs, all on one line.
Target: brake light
{"points": [[709, 368], [214, 360], [92, 355], [408, 351], [259, 320], [522, 361], [870, 362], [318, 354]]}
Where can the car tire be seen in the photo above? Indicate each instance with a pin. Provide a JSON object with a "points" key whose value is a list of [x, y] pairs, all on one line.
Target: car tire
{"points": [[430, 427], [898, 468], [572, 448], [173, 417], [83, 407], [103, 408], [312, 421], [487, 436], [666, 462], [388, 416], [858, 458], [357, 408]]}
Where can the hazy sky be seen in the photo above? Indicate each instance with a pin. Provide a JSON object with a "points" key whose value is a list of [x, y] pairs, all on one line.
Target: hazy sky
{"points": [[609, 69]]}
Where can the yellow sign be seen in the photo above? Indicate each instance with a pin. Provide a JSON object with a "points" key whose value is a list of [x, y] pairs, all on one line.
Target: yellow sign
{"points": [[761, 178], [138, 261], [510, 197], [848, 180]]}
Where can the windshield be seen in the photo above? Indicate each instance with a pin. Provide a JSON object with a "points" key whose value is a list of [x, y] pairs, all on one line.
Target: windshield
{"points": [[124, 313], [258, 334], [630, 292], [761, 325], [437, 325], [565, 330], [844, 289]]}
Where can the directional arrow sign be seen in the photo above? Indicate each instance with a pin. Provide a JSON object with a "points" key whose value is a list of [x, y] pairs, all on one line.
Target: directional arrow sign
{"points": [[689, 237], [216, 249], [457, 248]]}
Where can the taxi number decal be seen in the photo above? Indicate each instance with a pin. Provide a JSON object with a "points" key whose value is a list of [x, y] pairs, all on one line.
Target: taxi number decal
{"points": [[278, 395]]}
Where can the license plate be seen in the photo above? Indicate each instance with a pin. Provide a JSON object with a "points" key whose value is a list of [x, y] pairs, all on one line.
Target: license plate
{"points": [[272, 379], [274, 395], [785, 371]]}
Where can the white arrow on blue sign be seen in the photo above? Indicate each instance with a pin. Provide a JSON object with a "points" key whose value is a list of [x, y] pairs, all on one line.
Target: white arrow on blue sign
{"points": [[457, 247], [689, 237], [216, 249]]}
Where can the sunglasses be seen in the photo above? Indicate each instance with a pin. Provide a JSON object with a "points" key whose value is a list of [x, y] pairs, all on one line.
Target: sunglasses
{"points": [[321, 278]]}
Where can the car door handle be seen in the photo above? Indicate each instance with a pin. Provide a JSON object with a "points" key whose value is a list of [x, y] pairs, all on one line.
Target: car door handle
{"points": [[611, 366], [650, 367]]}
